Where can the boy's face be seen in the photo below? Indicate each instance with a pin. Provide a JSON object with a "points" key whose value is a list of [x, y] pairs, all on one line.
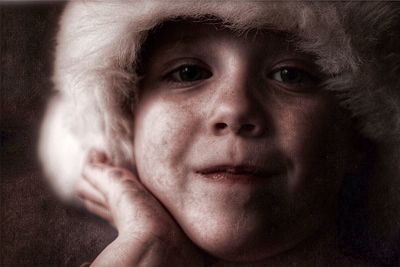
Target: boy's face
{"points": [[234, 137]]}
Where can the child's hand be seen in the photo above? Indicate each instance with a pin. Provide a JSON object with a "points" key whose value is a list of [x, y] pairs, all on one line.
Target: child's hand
{"points": [[147, 234]]}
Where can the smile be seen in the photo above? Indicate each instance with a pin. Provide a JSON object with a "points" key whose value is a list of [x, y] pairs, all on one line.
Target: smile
{"points": [[241, 173]]}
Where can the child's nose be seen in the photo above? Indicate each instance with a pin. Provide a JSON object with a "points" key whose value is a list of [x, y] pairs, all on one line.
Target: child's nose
{"points": [[237, 111]]}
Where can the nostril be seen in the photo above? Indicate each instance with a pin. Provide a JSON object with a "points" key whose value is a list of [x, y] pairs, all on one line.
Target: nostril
{"points": [[220, 126]]}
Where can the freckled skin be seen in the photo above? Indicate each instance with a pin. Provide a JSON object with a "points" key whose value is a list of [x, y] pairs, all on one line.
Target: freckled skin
{"points": [[298, 132]]}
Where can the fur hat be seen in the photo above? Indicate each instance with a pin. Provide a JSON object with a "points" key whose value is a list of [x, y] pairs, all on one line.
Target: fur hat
{"points": [[357, 44]]}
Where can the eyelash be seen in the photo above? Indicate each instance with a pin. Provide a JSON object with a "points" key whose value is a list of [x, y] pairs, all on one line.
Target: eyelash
{"points": [[200, 73], [301, 80]]}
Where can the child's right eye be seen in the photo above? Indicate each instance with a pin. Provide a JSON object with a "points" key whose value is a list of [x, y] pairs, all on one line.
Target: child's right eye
{"points": [[188, 73]]}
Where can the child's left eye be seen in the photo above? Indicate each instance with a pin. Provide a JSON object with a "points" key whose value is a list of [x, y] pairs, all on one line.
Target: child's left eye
{"points": [[188, 73], [294, 78], [291, 75]]}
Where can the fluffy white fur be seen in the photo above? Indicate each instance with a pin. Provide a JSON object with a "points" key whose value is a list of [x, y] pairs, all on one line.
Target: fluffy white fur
{"points": [[356, 44]]}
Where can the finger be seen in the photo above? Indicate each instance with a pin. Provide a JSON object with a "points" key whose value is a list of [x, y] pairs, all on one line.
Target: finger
{"points": [[98, 162], [106, 178], [87, 191], [96, 156], [98, 210]]}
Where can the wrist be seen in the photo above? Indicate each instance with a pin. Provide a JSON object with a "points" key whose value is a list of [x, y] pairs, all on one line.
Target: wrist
{"points": [[160, 233], [170, 248], [132, 251]]}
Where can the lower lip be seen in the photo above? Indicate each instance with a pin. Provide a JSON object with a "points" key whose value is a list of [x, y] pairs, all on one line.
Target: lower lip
{"points": [[225, 177]]}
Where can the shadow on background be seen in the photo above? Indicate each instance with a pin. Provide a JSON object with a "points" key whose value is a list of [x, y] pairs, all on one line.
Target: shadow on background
{"points": [[36, 229]]}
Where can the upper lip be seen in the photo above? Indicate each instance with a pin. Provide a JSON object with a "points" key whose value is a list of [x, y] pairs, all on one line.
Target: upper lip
{"points": [[238, 170]]}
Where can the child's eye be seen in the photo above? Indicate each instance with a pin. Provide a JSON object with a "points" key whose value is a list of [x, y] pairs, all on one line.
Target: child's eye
{"points": [[291, 75], [188, 73], [294, 78]]}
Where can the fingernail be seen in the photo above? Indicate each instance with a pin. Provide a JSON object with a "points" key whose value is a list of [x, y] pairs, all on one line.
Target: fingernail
{"points": [[97, 156]]}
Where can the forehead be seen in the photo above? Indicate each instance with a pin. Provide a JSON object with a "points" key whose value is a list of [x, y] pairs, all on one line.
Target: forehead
{"points": [[203, 38], [186, 33]]}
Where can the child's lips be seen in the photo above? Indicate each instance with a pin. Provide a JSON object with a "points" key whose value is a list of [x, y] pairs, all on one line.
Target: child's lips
{"points": [[237, 173]]}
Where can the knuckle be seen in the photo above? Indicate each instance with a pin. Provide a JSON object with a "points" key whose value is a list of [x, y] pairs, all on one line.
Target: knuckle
{"points": [[80, 188], [85, 170], [121, 176], [117, 173], [132, 197], [80, 192], [89, 205]]}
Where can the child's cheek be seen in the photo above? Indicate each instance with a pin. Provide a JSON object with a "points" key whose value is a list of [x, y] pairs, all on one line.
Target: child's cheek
{"points": [[311, 137], [164, 132]]}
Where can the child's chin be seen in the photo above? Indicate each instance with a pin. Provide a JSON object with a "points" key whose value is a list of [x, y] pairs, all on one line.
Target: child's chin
{"points": [[237, 243], [245, 237], [233, 250]]}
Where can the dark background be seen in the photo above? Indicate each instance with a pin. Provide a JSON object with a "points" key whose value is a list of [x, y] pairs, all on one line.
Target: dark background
{"points": [[36, 229]]}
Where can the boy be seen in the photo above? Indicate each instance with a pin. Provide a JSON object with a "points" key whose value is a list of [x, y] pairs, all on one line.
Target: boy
{"points": [[221, 144]]}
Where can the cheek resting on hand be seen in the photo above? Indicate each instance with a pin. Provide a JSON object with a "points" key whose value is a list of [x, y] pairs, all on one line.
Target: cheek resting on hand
{"points": [[116, 195]]}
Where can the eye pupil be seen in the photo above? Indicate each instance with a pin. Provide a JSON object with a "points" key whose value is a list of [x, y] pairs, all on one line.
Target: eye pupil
{"points": [[294, 79], [190, 74], [291, 75]]}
